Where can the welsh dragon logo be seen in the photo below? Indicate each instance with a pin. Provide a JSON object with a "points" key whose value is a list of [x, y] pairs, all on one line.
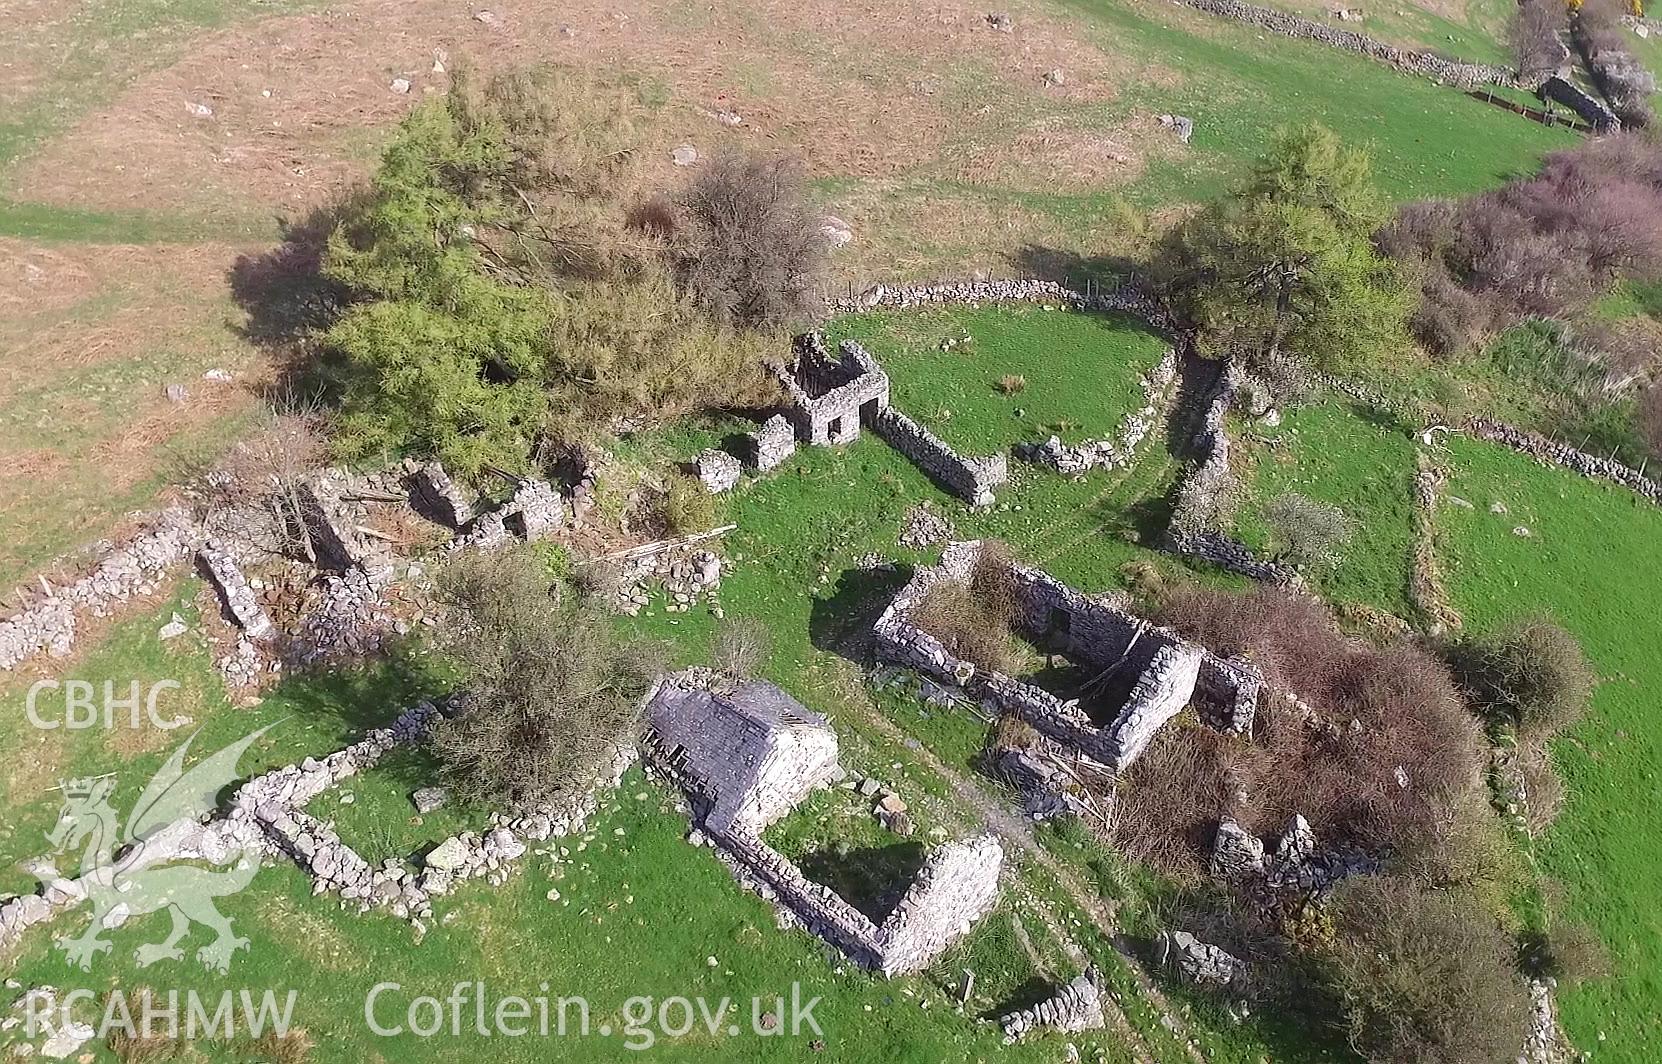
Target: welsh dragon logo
{"points": [[130, 886]]}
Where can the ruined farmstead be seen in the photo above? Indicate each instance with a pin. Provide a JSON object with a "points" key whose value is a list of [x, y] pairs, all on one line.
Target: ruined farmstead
{"points": [[1159, 671], [832, 395], [747, 756]]}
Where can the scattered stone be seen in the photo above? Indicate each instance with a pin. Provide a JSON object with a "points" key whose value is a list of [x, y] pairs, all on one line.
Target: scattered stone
{"points": [[923, 527], [1197, 961], [1522, 531], [400, 85], [1055, 77], [176, 393], [489, 18], [449, 855], [199, 110], [221, 376], [684, 155], [428, 799], [172, 629], [1000, 22], [1182, 125]]}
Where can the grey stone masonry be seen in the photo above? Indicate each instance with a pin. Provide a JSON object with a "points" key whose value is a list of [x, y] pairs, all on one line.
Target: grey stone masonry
{"points": [[750, 754], [972, 479], [1193, 529], [137, 567], [536, 511], [1426, 64], [830, 395], [746, 755], [772, 443], [1129, 299], [234, 590], [335, 524], [1589, 108], [1074, 1008], [437, 497], [1196, 961], [717, 470], [1551, 452], [1091, 633]]}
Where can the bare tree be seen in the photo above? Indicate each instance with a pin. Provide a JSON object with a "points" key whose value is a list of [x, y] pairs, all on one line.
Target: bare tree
{"points": [[259, 480], [752, 249], [552, 688]]}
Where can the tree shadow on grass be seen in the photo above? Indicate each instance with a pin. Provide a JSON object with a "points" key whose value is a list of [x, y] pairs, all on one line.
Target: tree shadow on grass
{"points": [[841, 624], [1068, 267], [367, 695], [872, 879]]}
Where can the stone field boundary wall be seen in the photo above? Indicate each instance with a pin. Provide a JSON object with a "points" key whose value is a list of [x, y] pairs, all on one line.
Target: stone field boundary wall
{"points": [[1425, 64], [1116, 451], [970, 478], [1191, 531], [1551, 452]]}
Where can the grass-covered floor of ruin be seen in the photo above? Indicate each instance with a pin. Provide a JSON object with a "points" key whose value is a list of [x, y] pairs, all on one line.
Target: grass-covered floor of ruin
{"points": [[1024, 373], [1589, 562]]}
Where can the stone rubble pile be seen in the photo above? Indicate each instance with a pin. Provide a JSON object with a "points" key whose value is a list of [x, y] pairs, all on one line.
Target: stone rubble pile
{"points": [[717, 470], [687, 577], [535, 512], [137, 567], [922, 528], [1198, 962], [1295, 866], [353, 619], [336, 523], [437, 497], [1074, 1008]]}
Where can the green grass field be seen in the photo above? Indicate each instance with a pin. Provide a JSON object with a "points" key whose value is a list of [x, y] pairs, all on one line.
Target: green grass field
{"points": [[1589, 563], [1337, 453]]}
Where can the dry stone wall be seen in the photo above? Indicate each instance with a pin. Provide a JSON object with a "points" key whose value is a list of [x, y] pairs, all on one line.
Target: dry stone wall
{"points": [[137, 567], [234, 590], [1116, 451], [1453, 72], [1589, 108], [972, 479], [1551, 452], [1076, 1007], [1126, 299]]}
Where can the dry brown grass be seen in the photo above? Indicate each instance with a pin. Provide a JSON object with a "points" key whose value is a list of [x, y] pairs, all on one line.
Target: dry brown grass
{"points": [[864, 89]]}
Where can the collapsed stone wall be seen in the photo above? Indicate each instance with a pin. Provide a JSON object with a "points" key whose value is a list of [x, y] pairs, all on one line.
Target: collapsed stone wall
{"points": [[1551, 452], [335, 523], [1116, 451], [234, 590], [973, 479], [1193, 529], [1425, 64], [137, 567]]}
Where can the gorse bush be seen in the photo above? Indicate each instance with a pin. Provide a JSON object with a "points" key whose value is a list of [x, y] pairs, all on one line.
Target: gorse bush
{"points": [[552, 689], [1531, 675], [501, 299]]}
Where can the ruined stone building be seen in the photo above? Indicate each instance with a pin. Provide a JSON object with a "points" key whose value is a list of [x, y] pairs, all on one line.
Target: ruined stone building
{"points": [[1160, 671], [830, 394], [748, 755]]}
